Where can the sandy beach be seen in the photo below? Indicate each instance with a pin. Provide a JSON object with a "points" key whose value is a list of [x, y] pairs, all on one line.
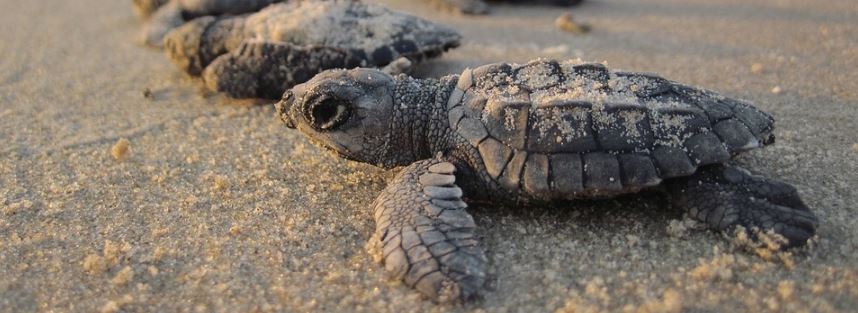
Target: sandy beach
{"points": [[215, 206]]}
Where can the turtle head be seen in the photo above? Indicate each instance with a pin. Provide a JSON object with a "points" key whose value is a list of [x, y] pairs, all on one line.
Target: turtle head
{"points": [[348, 112]]}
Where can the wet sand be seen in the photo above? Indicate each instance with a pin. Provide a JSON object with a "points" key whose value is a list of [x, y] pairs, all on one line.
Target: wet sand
{"points": [[216, 207]]}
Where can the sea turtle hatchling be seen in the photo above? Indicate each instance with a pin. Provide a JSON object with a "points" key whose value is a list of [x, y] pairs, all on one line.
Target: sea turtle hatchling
{"points": [[264, 53], [532, 133], [161, 16], [481, 7]]}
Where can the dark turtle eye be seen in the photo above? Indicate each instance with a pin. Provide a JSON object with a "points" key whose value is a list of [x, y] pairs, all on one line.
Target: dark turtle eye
{"points": [[328, 114]]}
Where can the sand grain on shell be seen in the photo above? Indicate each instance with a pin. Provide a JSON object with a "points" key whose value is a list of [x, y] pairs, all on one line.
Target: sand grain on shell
{"points": [[537, 84]]}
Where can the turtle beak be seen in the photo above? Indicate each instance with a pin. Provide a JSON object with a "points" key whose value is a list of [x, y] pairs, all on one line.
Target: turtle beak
{"points": [[284, 106]]}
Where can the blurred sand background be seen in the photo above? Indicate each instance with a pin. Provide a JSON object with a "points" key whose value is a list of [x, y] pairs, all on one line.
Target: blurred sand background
{"points": [[217, 207]]}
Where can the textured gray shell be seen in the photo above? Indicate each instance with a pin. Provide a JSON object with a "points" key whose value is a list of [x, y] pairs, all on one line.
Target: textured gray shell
{"points": [[382, 35], [358, 34], [568, 130]]}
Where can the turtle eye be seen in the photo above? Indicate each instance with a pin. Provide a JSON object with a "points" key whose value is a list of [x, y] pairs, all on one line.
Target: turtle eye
{"points": [[328, 114]]}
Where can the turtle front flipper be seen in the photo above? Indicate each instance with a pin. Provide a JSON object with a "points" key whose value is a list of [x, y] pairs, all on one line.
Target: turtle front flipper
{"points": [[261, 69], [164, 19], [401, 65], [725, 197], [197, 43], [463, 6], [427, 238], [145, 8]]}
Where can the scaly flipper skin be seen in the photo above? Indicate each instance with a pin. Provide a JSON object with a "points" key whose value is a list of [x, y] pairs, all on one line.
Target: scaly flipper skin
{"points": [[427, 238], [264, 69], [725, 197]]}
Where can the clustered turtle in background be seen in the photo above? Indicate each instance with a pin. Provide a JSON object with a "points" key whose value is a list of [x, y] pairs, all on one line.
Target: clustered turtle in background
{"points": [[519, 134], [262, 54]]}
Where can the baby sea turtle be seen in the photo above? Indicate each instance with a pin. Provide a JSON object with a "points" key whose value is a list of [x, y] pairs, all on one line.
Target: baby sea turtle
{"points": [[265, 53], [481, 7], [164, 15], [530, 134]]}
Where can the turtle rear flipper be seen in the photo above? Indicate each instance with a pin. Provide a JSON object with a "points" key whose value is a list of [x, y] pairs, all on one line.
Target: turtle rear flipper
{"points": [[726, 197], [427, 238], [261, 69]]}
